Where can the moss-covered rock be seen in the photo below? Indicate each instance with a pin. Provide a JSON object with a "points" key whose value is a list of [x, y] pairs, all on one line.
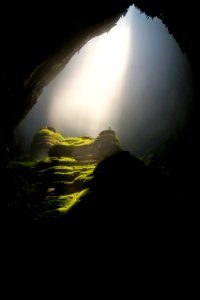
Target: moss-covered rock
{"points": [[48, 188], [82, 148], [43, 140]]}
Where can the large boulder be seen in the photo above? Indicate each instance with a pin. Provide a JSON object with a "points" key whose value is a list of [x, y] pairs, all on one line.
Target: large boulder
{"points": [[43, 140]]}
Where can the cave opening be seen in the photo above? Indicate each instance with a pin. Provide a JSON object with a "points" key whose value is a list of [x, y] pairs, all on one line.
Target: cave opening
{"points": [[133, 78]]}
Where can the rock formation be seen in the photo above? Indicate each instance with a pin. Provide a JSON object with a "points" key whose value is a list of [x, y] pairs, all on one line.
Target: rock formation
{"points": [[49, 142], [58, 175], [43, 140]]}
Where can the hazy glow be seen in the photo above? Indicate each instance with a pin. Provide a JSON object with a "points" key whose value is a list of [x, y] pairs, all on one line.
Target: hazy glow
{"points": [[89, 98]]}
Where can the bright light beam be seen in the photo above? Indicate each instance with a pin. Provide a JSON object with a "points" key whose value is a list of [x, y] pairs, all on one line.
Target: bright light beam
{"points": [[87, 96]]}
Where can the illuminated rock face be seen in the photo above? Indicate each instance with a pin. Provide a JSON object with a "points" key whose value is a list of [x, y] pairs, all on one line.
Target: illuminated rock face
{"points": [[48, 142]]}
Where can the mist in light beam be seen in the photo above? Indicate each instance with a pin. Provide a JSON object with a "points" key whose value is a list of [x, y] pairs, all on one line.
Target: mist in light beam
{"points": [[88, 93]]}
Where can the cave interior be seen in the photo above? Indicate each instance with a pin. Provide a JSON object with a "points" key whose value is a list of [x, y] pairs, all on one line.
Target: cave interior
{"points": [[39, 40]]}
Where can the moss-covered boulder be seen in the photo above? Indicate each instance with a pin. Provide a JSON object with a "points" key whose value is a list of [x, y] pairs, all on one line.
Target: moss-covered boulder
{"points": [[43, 140]]}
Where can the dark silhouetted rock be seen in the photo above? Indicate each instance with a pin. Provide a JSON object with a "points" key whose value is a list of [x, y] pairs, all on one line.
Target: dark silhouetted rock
{"points": [[124, 193]]}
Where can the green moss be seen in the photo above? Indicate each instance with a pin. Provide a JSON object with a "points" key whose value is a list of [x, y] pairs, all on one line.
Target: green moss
{"points": [[46, 160], [63, 159], [61, 203], [71, 200], [85, 176], [68, 169], [77, 141], [52, 134], [49, 162]]}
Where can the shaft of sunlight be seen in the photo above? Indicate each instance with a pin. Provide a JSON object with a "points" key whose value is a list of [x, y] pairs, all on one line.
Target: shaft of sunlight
{"points": [[87, 95]]}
